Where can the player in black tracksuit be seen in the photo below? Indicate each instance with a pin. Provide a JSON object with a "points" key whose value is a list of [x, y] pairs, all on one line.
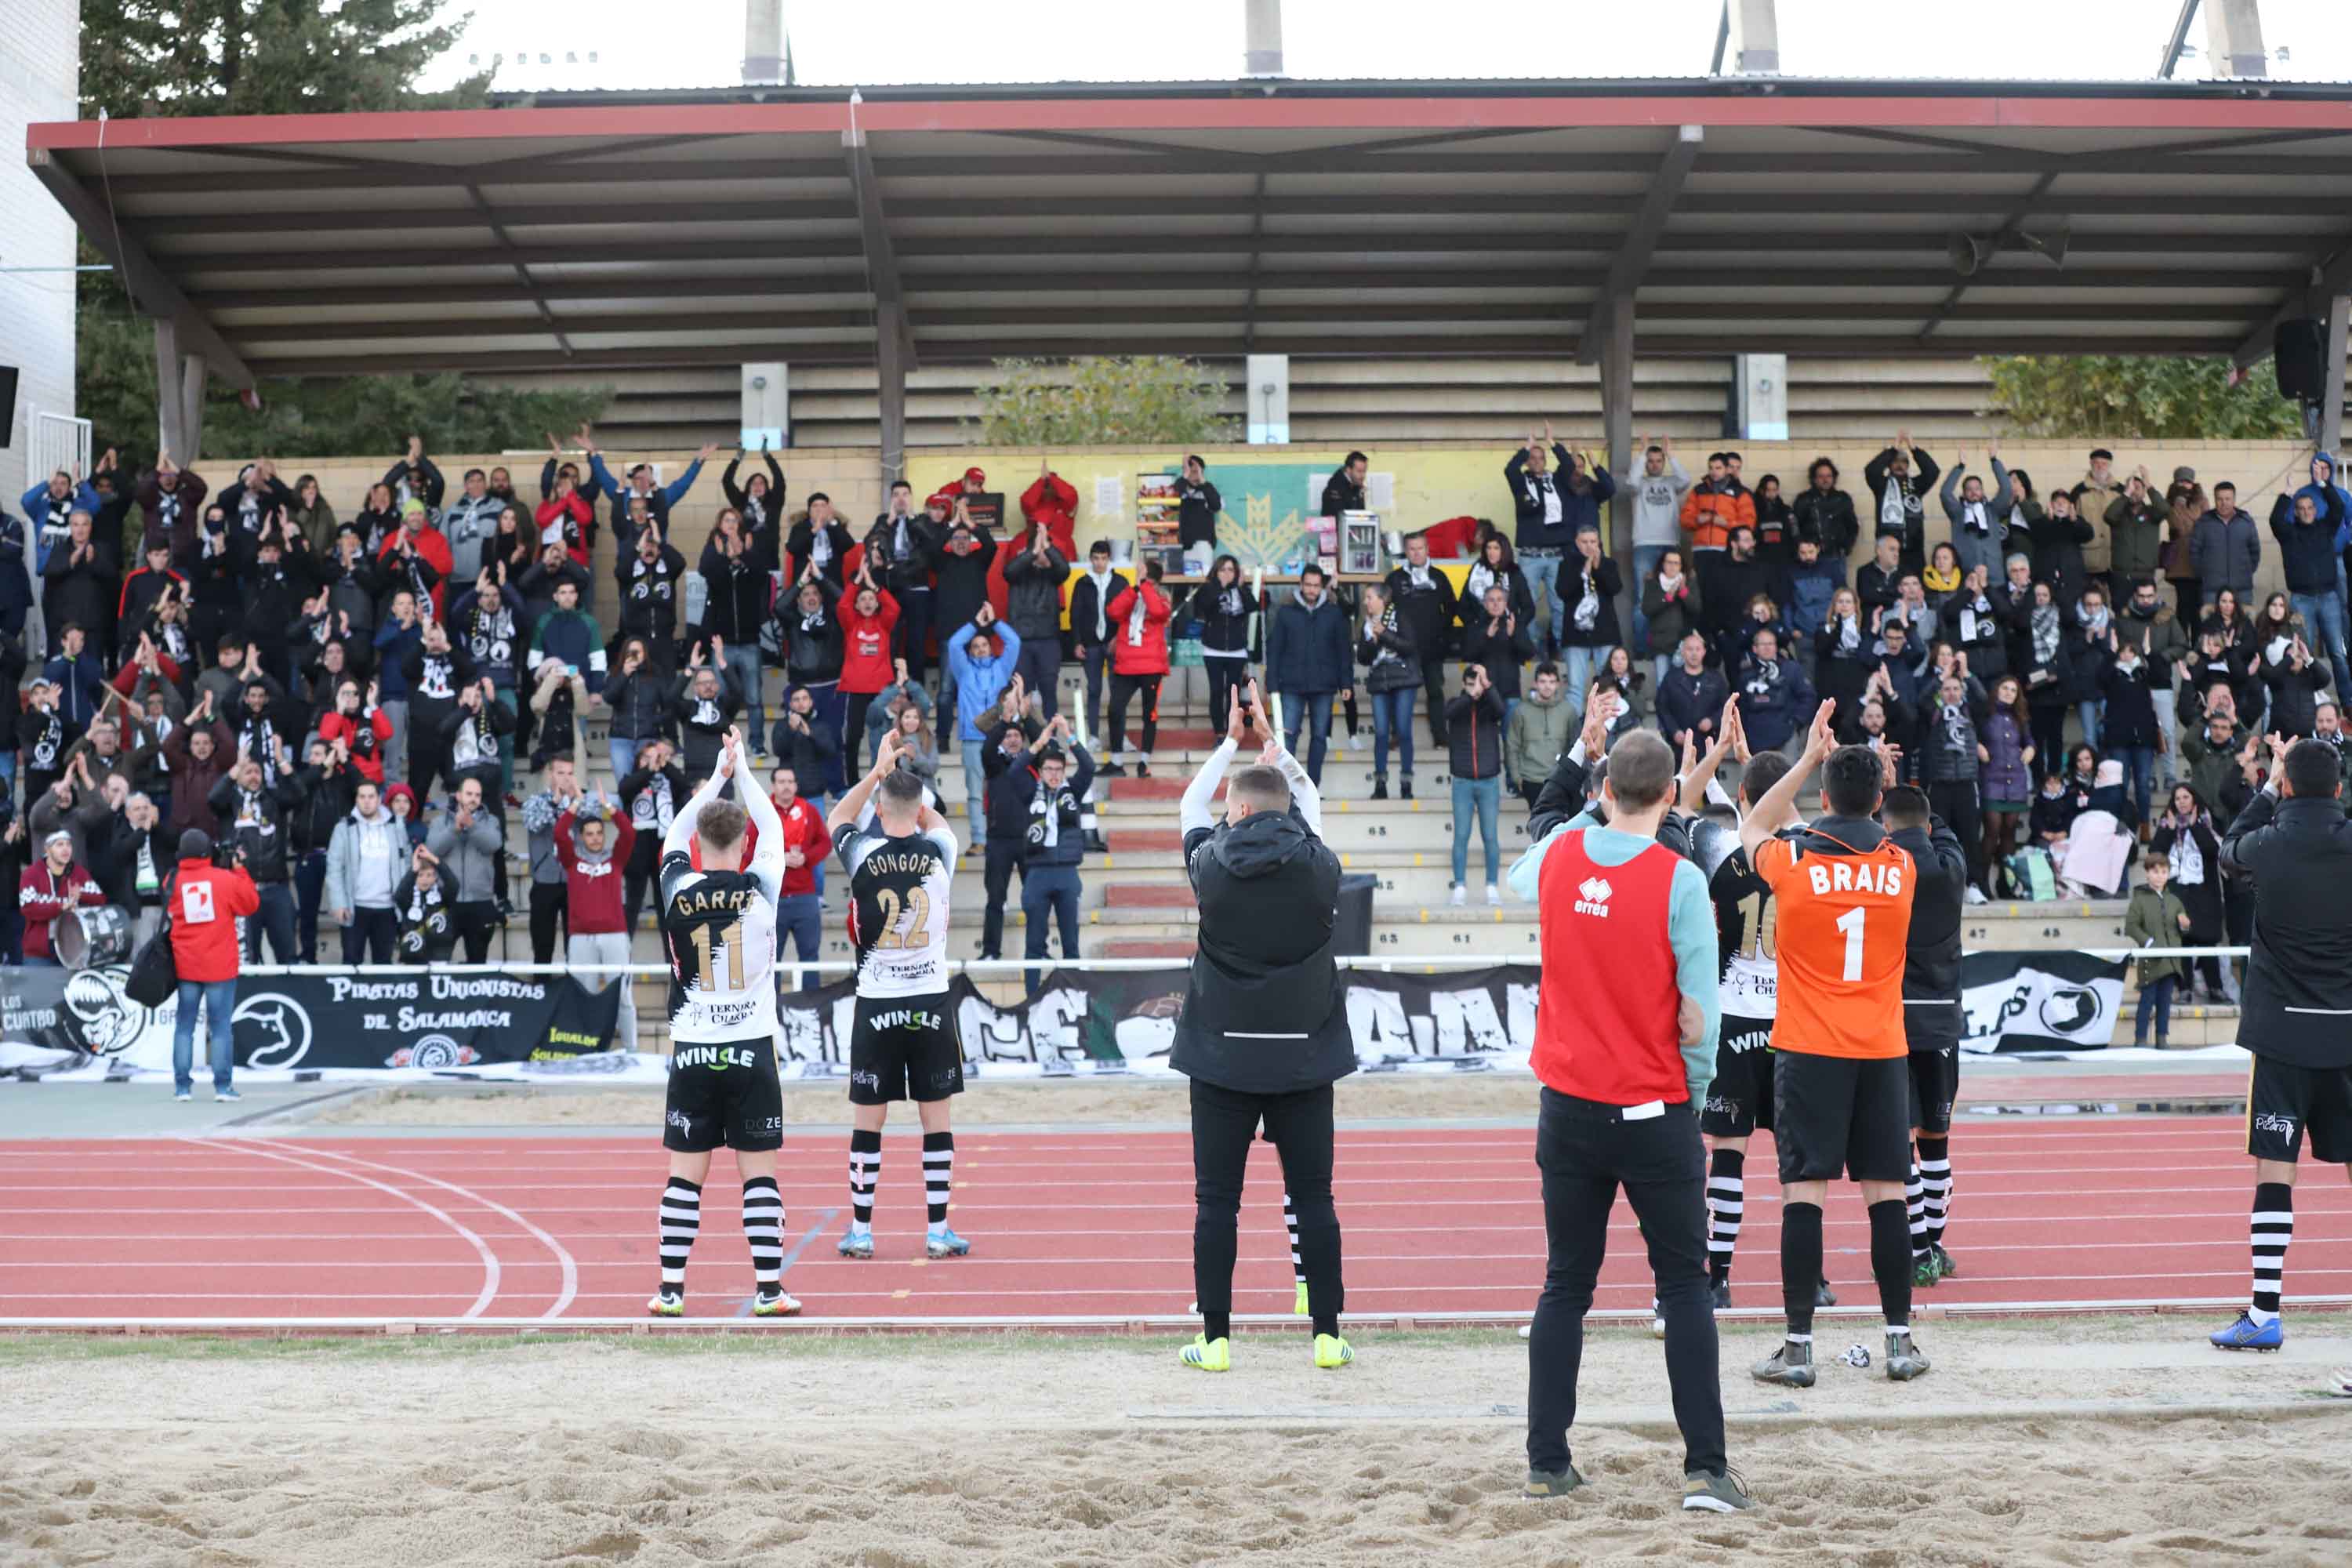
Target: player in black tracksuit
{"points": [[1931, 1019]]}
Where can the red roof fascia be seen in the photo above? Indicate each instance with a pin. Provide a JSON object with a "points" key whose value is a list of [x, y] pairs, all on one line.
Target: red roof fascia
{"points": [[1244, 111]]}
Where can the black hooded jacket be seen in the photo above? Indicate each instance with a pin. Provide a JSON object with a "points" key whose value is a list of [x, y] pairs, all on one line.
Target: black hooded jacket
{"points": [[2298, 994], [1931, 967], [1264, 1010]]}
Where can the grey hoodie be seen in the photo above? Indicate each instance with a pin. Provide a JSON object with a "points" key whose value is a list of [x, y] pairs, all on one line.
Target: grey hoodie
{"points": [[469, 859]]}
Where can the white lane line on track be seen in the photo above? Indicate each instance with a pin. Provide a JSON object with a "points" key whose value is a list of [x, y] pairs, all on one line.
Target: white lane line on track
{"points": [[490, 1268], [570, 1286]]}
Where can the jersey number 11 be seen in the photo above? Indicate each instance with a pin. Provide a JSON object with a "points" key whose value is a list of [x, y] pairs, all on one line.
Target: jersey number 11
{"points": [[730, 939]]}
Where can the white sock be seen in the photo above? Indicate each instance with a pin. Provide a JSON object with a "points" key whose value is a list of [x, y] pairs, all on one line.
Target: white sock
{"points": [[1800, 1339], [939, 1227]]}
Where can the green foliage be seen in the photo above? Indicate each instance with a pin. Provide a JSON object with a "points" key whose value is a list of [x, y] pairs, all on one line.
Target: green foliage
{"points": [[1146, 399], [2146, 397], [185, 58], [316, 417], [265, 57]]}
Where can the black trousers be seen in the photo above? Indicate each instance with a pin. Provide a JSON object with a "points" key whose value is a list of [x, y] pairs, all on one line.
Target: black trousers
{"points": [[1125, 689], [1433, 689], [1096, 661], [1224, 1122], [1224, 676], [550, 902], [1586, 1152], [475, 922], [1960, 805], [1002, 857], [371, 936]]}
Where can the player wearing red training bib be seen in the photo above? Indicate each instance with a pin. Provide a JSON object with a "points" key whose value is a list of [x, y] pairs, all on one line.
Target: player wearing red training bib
{"points": [[1840, 1102]]}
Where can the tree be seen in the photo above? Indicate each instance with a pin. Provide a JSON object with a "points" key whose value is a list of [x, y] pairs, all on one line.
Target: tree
{"points": [[265, 57], [319, 416], [193, 57], [1146, 399], [2141, 396]]}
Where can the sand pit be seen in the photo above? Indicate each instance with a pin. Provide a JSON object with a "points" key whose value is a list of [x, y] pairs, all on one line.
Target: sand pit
{"points": [[1361, 1098], [969, 1453]]}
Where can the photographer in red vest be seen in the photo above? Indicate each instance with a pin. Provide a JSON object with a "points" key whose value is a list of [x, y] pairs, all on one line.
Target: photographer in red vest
{"points": [[206, 899]]}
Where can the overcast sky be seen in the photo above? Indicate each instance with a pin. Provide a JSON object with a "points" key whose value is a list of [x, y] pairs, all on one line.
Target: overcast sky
{"points": [[698, 43]]}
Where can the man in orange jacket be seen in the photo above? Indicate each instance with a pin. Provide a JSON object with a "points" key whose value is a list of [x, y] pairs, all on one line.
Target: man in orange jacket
{"points": [[206, 902], [1711, 509]]}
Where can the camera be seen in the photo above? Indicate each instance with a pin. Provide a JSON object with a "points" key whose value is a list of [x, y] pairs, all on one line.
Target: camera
{"points": [[225, 854]]}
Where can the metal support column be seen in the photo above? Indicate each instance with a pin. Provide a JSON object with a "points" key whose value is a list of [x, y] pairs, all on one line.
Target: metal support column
{"points": [[1617, 437], [2331, 396], [179, 395], [890, 368]]}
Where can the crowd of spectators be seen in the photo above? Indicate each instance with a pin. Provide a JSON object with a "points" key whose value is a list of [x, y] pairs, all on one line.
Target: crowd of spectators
{"points": [[364, 704]]}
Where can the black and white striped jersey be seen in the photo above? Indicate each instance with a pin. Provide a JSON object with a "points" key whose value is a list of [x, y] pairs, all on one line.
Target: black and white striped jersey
{"points": [[898, 907]]}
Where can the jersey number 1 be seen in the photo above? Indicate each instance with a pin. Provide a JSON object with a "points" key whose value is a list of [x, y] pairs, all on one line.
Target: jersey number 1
{"points": [[730, 939], [1851, 923]]}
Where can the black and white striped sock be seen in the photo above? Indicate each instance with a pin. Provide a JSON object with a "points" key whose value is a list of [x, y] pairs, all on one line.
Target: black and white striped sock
{"points": [[1290, 1223], [938, 1176], [763, 1227], [865, 1175], [2274, 1229], [1936, 1178], [1727, 1204], [681, 1218], [1915, 1208]]}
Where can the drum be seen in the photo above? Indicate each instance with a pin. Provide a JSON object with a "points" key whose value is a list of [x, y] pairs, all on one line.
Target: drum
{"points": [[92, 939]]}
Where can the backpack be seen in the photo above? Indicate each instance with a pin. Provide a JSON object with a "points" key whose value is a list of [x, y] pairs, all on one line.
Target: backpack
{"points": [[154, 977], [2033, 875]]}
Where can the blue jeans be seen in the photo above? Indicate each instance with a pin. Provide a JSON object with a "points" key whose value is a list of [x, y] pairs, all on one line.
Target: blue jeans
{"points": [[8, 775], [2091, 713], [742, 667], [1050, 891], [1486, 797], [2139, 772], [1543, 584], [2156, 997], [621, 750], [1314, 708], [2322, 620], [1579, 664], [219, 999], [1393, 716], [803, 915], [975, 789], [1645, 566]]}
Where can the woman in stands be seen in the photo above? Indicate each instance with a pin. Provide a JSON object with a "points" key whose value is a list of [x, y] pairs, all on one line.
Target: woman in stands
{"points": [[2185, 836], [2005, 739]]}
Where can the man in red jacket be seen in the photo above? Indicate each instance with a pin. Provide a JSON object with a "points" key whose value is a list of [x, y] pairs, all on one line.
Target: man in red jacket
{"points": [[592, 853], [1052, 504], [205, 903], [45, 891]]}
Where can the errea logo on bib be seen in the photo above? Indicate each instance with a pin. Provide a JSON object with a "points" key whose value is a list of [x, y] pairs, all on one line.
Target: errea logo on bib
{"points": [[1593, 897]]}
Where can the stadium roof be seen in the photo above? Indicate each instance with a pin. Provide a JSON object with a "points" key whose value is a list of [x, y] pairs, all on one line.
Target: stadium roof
{"points": [[605, 231]]}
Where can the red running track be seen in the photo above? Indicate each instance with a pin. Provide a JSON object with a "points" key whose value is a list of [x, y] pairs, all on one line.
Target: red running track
{"points": [[1097, 1224]]}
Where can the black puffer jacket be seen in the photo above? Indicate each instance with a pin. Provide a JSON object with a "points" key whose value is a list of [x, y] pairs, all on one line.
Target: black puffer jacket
{"points": [[1264, 1011]]}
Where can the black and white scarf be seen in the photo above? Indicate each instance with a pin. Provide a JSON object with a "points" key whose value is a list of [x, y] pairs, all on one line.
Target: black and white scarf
{"points": [[2045, 633]]}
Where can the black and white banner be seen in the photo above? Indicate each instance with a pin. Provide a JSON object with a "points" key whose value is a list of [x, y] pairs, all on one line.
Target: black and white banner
{"points": [[2040, 1001], [58, 1020], [1125, 1021]]}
